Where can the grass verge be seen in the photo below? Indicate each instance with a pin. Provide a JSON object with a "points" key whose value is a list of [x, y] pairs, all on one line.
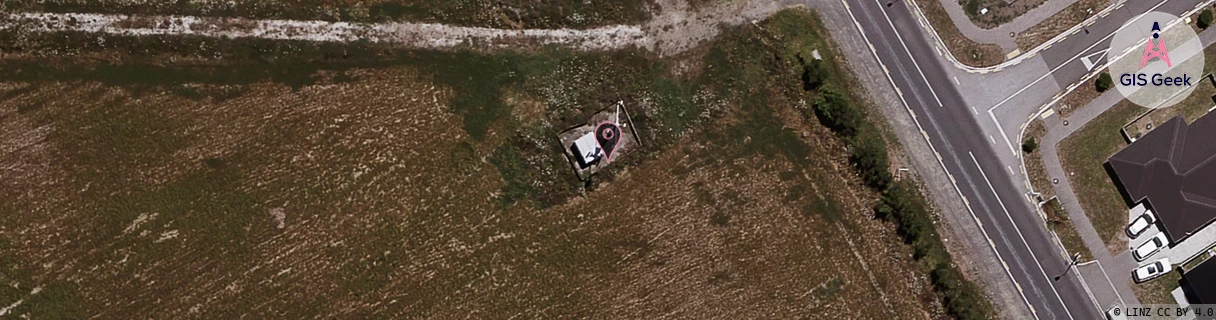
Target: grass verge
{"points": [[901, 203], [1058, 23], [1035, 168], [999, 11], [1058, 222], [966, 51]]}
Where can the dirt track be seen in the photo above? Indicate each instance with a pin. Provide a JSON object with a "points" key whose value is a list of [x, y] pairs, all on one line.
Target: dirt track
{"points": [[675, 29]]}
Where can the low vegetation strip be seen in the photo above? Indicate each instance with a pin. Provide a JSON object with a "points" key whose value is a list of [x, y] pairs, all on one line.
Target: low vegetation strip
{"points": [[497, 14], [901, 201]]}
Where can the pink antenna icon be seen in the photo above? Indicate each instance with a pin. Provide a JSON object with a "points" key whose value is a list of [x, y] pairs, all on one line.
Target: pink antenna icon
{"points": [[1155, 51]]}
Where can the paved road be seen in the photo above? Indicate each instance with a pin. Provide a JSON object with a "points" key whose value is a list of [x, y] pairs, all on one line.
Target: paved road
{"points": [[1011, 224], [972, 135]]}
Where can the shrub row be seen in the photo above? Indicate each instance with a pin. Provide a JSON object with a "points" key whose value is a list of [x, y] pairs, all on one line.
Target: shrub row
{"points": [[901, 202]]}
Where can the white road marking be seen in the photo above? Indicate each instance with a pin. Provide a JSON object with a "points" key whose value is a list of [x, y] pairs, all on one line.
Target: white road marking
{"points": [[910, 56], [956, 80], [1003, 135], [991, 139], [1075, 56], [1089, 65], [1019, 232], [975, 218], [1010, 170]]}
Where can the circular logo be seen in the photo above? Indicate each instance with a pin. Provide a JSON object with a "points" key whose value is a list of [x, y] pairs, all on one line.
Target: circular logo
{"points": [[1156, 60]]}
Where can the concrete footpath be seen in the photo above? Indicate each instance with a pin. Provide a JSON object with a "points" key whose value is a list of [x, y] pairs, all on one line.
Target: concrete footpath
{"points": [[1000, 34]]}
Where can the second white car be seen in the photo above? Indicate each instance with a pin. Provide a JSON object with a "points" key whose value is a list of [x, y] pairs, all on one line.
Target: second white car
{"points": [[1150, 247]]}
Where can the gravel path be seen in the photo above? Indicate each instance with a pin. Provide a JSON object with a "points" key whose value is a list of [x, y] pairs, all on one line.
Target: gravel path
{"points": [[677, 27]]}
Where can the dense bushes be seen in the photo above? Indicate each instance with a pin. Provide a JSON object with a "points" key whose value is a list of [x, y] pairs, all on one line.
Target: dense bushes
{"points": [[1030, 145], [901, 202], [1205, 19], [1104, 82], [905, 205], [867, 150]]}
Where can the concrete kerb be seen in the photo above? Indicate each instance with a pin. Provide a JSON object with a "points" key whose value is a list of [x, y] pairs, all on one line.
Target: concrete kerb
{"points": [[924, 22], [1047, 106]]}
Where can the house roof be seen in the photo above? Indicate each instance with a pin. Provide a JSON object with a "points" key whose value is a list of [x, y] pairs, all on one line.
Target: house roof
{"points": [[1199, 283], [1172, 168]]}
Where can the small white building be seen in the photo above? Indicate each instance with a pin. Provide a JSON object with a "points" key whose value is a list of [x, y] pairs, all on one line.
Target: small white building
{"points": [[587, 150]]}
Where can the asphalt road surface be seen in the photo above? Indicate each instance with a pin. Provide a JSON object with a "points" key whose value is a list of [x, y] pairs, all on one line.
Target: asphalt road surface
{"points": [[971, 147]]}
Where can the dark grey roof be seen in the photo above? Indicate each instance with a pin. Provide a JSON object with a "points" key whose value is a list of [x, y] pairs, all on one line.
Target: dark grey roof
{"points": [[1199, 283], [1172, 168]]}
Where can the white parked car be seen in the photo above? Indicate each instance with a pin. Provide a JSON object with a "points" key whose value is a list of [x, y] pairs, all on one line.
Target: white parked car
{"points": [[1140, 224], [1150, 271], [1150, 247]]}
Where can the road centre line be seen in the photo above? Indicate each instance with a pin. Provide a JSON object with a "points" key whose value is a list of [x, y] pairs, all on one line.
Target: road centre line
{"points": [[991, 139], [909, 52], [957, 190], [1066, 62], [1019, 232]]}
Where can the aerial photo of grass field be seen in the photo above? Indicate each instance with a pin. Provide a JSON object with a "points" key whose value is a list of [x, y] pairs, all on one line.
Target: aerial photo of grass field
{"points": [[179, 176]]}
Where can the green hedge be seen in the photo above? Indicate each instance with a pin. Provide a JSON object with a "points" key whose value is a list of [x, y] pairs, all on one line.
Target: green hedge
{"points": [[901, 202]]}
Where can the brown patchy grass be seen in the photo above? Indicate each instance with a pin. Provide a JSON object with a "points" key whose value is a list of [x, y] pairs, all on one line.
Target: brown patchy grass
{"points": [[1035, 169], [1058, 222], [999, 11], [1057, 218], [966, 51], [156, 202], [1077, 99], [1157, 291], [1082, 155], [1058, 23]]}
